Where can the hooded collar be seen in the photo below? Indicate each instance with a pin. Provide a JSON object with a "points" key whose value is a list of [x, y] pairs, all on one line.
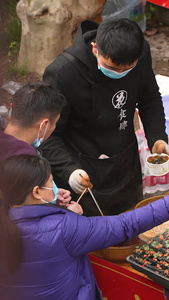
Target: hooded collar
{"points": [[82, 50], [82, 47]]}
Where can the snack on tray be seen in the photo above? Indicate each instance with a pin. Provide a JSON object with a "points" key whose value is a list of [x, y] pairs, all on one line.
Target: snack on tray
{"points": [[145, 236], [155, 254]]}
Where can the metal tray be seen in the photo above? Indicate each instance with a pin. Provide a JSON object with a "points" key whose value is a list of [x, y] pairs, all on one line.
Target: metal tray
{"points": [[150, 273]]}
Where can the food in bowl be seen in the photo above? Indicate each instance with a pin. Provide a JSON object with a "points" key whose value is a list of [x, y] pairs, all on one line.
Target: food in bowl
{"points": [[157, 159], [158, 164]]}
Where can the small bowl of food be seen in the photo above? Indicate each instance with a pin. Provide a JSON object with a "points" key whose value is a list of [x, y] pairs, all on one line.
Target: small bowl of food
{"points": [[158, 164]]}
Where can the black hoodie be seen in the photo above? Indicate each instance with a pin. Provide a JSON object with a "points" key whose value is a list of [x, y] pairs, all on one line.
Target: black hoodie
{"points": [[98, 118]]}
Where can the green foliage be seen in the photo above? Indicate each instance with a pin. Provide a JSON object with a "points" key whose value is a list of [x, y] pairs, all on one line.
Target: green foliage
{"points": [[13, 49], [150, 10], [14, 25], [10, 7], [14, 70], [14, 30]]}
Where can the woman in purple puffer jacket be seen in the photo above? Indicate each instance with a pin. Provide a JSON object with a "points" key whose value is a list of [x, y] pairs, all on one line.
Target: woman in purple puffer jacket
{"points": [[43, 248]]}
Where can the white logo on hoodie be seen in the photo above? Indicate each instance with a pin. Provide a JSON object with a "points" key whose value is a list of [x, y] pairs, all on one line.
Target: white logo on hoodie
{"points": [[119, 99]]}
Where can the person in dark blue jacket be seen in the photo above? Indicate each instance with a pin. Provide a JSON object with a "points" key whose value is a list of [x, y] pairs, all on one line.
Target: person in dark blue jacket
{"points": [[43, 249]]}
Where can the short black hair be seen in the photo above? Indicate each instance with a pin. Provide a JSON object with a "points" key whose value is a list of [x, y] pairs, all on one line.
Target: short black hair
{"points": [[33, 101], [120, 40]]}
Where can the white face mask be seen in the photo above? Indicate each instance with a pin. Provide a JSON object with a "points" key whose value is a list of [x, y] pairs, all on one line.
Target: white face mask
{"points": [[37, 142], [55, 191], [53, 201]]}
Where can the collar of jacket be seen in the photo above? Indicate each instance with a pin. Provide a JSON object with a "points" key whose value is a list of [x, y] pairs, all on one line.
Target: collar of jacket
{"points": [[35, 211], [81, 49]]}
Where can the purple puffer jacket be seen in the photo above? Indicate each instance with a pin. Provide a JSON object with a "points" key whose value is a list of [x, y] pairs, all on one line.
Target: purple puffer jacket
{"points": [[55, 265]]}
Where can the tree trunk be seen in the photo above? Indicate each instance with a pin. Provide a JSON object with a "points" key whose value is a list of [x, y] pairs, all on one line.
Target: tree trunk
{"points": [[48, 27]]}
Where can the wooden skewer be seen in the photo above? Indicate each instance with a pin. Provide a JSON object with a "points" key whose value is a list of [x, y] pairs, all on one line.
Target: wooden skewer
{"points": [[95, 201], [81, 195]]}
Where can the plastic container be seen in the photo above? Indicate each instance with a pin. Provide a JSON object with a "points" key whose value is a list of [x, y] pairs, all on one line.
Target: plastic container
{"points": [[131, 9], [10, 111], [151, 182], [165, 99], [11, 87], [163, 83], [141, 155], [3, 116], [140, 138], [158, 169], [163, 183], [140, 124]]}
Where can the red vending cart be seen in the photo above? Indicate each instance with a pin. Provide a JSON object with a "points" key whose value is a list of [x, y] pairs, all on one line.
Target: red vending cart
{"points": [[122, 282], [163, 3]]}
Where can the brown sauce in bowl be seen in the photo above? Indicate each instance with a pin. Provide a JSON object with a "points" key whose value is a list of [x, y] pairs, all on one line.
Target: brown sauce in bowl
{"points": [[157, 159]]}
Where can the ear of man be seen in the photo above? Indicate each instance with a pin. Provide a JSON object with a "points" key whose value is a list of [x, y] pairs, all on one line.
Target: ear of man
{"points": [[94, 48], [42, 124]]}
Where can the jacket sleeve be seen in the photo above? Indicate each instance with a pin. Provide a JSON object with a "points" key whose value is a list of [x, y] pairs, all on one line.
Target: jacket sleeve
{"points": [[86, 234], [54, 148], [150, 104]]}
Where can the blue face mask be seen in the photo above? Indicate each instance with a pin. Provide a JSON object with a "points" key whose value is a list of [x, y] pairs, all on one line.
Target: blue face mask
{"points": [[37, 142], [55, 191], [110, 73], [113, 74]]}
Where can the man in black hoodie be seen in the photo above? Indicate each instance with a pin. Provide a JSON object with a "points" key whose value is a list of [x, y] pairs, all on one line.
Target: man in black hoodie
{"points": [[104, 75]]}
